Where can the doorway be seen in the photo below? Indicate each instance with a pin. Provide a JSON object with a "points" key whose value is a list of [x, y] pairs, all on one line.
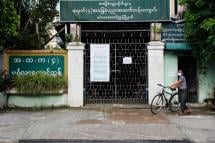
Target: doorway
{"points": [[189, 66]]}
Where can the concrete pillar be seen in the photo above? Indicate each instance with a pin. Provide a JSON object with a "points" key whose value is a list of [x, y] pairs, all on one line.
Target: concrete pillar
{"points": [[155, 67], [75, 74]]}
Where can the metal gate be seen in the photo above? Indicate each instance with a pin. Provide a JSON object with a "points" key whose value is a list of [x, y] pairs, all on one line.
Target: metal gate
{"points": [[128, 82]]}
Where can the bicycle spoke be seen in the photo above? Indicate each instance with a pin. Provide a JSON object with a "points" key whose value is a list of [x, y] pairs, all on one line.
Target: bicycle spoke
{"points": [[157, 104]]}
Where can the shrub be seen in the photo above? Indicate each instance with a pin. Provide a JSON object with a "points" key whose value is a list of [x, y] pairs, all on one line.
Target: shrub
{"points": [[39, 84]]}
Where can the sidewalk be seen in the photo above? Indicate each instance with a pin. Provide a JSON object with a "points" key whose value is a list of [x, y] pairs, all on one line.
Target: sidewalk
{"points": [[96, 122]]}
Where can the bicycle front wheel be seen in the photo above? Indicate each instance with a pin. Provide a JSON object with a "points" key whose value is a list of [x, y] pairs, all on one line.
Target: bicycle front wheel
{"points": [[157, 104], [174, 103]]}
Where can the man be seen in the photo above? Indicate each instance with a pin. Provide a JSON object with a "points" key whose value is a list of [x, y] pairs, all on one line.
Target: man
{"points": [[181, 84]]}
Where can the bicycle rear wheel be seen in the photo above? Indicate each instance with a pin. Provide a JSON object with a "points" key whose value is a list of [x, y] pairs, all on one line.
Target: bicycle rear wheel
{"points": [[174, 103], [157, 104]]}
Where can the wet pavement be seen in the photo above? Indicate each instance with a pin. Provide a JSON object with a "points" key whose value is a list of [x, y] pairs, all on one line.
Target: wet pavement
{"points": [[108, 124]]}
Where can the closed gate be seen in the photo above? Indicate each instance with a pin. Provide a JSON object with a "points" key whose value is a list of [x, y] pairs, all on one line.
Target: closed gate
{"points": [[128, 82]]}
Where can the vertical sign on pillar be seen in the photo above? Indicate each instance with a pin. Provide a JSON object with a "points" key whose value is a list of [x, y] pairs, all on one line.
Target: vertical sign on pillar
{"points": [[99, 62]]}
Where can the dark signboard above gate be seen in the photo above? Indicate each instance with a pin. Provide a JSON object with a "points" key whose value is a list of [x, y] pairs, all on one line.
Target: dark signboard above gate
{"points": [[114, 10]]}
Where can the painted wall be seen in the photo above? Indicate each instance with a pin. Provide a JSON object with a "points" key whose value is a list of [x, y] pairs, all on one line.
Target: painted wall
{"points": [[38, 101], [207, 82], [170, 68]]}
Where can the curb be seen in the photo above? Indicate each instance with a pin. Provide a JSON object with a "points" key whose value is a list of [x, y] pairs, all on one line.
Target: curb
{"points": [[2, 140]]}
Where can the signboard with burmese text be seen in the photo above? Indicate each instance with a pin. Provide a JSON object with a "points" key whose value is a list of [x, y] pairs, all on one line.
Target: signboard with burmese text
{"points": [[173, 32], [99, 62], [35, 61], [114, 10]]}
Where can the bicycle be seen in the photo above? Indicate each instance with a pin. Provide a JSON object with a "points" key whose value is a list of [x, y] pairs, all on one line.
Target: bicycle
{"points": [[160, 100]]}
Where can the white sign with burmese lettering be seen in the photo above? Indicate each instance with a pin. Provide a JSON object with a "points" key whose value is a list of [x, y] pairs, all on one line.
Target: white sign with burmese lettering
{"points": [[99, 62]]}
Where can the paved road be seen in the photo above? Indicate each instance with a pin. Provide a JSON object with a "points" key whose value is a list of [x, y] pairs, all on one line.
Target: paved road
{"points": [[113, 124], [104, 141]]}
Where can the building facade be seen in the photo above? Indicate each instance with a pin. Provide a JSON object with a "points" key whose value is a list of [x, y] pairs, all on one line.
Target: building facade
{"points": [[122, 49], [146, 46]]}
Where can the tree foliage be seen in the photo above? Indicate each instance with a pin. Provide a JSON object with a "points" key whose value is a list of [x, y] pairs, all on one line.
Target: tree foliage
{"points": [[32, 26], [200, 28], [35, 12], [9, 19]]}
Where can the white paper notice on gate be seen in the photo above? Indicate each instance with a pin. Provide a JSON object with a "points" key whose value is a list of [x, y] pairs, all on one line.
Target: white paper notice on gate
{"points": [[99, 62], [127, 60]]}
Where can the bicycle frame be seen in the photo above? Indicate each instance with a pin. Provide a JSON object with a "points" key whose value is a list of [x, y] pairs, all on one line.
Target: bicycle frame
{"points": [[164, 92], [166, 99]]}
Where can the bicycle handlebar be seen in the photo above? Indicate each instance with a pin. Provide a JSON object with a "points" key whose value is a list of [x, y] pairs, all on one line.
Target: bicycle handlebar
{"points": [[166, 87]]}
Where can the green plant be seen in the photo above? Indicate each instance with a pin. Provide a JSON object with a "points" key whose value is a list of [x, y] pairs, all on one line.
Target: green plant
{"points": [[157, 29], [200, 30], [181, 2], [9, 21], [68, 37], [39, 84]]}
